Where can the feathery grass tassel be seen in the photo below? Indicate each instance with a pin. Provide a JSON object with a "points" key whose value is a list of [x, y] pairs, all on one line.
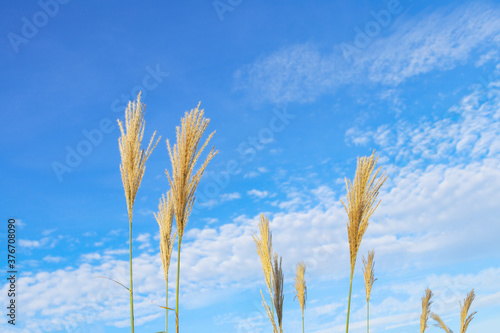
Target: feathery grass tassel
{"points": [[165, 221], [368, 273], [426, 309], [361, 196], [300, 288], [132, 168], [278, 290], [264, 246], [183, 179]]}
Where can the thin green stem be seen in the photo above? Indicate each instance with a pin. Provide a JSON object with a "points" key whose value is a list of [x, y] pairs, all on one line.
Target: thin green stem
{"points": [[131, 284], [178, 271], [349, 304], [166, 305], [303, 323], [368, 316]]}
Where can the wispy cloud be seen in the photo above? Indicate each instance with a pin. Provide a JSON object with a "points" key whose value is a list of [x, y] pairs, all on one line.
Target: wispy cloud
{"points": [[221, 199], [439, 40], [258, 194], [53, 259], [44, 242]]}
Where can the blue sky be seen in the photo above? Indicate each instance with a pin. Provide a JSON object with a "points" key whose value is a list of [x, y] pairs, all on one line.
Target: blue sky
{"points": [[295, 92]]}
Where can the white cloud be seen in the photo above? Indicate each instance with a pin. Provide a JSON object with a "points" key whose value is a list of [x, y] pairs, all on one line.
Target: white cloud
{"points": [[256, 173], [44, 242], [53, 259], [145, 241], [230, 196], [220, 199], [251, 174], [440, 40], [258, 194], [48, 231]]}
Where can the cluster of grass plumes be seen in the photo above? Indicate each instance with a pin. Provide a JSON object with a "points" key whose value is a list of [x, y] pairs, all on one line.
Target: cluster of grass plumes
{"points": [[361, 196], [272, 274], [183, 181], [178, 202], [465, 319], [132, 168]]}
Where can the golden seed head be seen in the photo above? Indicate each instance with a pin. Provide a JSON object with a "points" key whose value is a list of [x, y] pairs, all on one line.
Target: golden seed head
{"points": [[264, 246], [183, 156], [133, 157], [300, 285], [368, 273], [165, 217], [426, 310], [464, 309], [361, 196], [278, 290]]}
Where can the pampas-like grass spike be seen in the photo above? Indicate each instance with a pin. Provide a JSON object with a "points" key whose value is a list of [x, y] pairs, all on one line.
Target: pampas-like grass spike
{"points": [[183, 179], [426, 309], [300, 285], [184, 155], [361, 196], [165, 218], [132, 168], [464, 309], [273, 273], [368, 273], [300, 288], [278, 290], [133, 157], [264, 246]]}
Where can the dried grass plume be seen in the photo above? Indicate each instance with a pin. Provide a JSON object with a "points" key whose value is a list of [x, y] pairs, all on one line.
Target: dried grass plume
{"points": [[133, 157], [264, 246], [426, 310], [300, 285], [368, 273], [165, 217], [361, 196], [278, 290], [464, 310], [184, 155], [264, 250]]}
